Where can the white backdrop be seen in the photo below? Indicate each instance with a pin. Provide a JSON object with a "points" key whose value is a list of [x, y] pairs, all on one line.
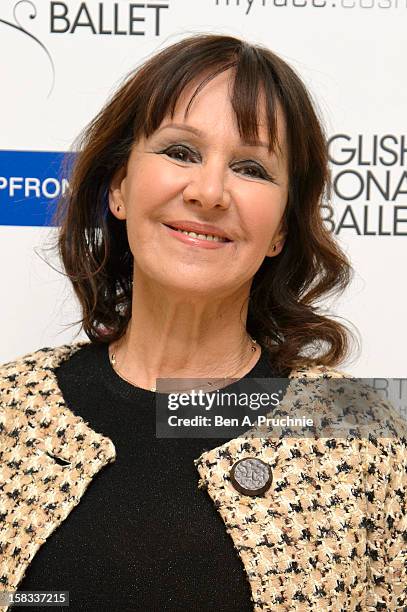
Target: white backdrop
{"points": [[351, 56]]}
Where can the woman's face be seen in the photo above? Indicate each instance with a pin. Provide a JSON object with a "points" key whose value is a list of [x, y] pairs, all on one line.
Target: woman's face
{"points": [[202, 173]]}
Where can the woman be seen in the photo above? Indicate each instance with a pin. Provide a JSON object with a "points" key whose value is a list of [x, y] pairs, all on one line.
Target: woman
{"points": [[193, 239]]}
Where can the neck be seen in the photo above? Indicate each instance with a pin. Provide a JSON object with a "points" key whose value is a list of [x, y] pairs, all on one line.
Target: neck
{"points": [[184, 336]]}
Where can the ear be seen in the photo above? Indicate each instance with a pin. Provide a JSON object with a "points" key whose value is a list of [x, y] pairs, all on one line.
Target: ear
{"points": [[117, 203], [276, 244]]}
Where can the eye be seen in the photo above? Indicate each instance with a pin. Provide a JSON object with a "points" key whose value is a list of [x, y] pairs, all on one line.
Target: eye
{"points": [[182, 153], [256, 171], [178, 151]]}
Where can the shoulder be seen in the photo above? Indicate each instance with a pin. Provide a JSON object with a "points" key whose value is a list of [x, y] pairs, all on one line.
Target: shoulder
{"points": [[382, 427], [30, 398], [29, 372], [318, 370], [354, 393]]}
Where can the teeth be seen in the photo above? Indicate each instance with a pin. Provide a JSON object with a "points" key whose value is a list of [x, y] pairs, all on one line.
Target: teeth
{"points": [[202, 236]]}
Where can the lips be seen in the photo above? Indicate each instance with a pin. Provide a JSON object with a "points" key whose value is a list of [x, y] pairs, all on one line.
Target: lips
{"points": [[199, 228], [195, 241]]}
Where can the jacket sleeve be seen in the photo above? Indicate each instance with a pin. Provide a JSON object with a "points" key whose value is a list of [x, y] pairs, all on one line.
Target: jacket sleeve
{"points": [[387, 533], [395, 518]]}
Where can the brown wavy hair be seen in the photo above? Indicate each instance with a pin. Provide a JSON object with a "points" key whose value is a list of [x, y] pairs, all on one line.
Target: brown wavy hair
{"points": [[93, 245]]}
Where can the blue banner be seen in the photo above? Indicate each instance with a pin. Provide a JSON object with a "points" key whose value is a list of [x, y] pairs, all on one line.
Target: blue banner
{"points": [[31, 183]]}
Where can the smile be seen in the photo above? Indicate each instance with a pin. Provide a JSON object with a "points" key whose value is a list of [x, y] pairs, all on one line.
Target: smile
{"points": [[192, 238]]}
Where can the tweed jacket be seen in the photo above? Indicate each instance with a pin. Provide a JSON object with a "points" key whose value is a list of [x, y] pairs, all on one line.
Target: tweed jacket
{"points": [[330, 534]]}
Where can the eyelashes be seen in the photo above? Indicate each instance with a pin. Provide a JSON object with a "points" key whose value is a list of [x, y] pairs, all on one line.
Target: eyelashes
{"points": [[183, 150]]}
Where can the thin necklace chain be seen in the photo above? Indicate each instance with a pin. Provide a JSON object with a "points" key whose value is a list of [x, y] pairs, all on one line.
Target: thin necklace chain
{"points": [[253, 349]]}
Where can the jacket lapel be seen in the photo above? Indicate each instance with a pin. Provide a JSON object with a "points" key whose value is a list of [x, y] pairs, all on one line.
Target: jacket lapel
{"points": [[297, 540], [48, 457]]}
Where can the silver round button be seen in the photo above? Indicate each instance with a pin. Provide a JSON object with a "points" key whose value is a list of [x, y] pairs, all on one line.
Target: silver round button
{"points": [[251, 476]]}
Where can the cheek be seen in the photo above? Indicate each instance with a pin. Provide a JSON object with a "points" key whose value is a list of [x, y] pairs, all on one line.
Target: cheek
{"points": [[263, 215], [153, 185]]}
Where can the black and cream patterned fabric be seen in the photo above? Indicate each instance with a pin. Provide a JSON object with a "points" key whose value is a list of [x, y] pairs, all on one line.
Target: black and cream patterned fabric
{"points": [[329, 534]]}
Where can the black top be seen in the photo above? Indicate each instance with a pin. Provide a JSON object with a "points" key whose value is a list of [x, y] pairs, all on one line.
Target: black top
{"points": [[143, 536]]}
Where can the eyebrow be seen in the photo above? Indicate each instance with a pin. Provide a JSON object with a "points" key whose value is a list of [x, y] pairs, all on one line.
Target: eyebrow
{"points": [[194, 130]]}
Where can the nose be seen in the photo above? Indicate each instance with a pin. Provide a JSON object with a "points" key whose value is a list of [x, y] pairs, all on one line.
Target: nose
{"points": [[206, 186]]}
